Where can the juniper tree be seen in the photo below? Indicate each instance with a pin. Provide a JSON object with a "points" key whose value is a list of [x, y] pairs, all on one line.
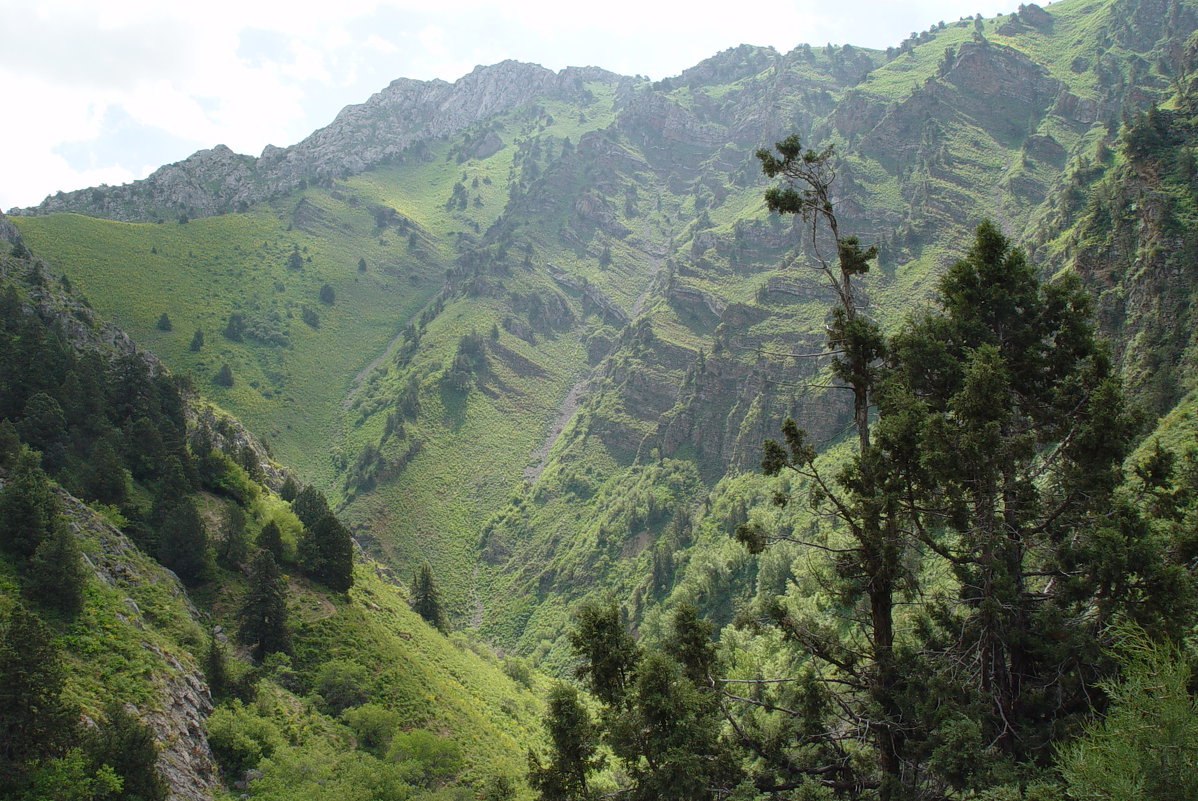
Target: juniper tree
{"points": [[660, 712], [270, 538], [309, 505], [28, 507], [128, 746], [574, 747], [1006, 424], [183, 542]]}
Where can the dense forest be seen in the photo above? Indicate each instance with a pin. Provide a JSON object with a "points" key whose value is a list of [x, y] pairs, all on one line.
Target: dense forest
{"points": [[808, 425]]}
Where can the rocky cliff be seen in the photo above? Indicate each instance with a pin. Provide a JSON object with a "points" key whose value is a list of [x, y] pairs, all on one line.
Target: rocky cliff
{"points": [[386, 127]]}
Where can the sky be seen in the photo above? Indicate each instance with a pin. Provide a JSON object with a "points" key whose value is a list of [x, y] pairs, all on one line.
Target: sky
{"points": [[105, 91]]}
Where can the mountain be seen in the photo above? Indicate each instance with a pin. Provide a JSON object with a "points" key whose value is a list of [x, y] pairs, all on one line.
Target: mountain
{"points": [[127, 565], [559, 322]]}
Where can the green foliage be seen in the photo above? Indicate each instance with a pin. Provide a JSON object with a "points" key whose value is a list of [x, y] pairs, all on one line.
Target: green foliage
{"points": [[310, 506], [608, 653], [70, 777], [270, 539], [35, 721], [574, 749], [27, 507], [1146, 744], [325, 552], [164, 322], [263, 614], [660, 718], [127, 746], [341, 683], [239, 738], [183, 543], [373, 725], [469, 362], [197, 341], [426, 759], [425, 599], [223, 377], [235, 327], [55, 577], [294, 260]]}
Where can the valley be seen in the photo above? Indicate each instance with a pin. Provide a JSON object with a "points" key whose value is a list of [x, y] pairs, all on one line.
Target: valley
{"points": [[531, 328]]}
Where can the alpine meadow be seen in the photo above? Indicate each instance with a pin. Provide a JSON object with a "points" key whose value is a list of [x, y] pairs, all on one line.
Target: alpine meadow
{"points": [[806, 425]]}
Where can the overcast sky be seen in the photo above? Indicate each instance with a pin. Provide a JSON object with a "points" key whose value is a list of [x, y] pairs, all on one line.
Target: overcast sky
{"points": [[105, 91]]}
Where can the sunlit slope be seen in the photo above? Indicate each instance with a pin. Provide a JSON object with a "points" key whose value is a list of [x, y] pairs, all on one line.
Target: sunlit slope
{"points": [[289, 376]]}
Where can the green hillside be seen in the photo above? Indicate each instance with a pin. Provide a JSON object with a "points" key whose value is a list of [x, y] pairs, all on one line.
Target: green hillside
{"points": [[133, 474], [553, 340], [611, 250]]}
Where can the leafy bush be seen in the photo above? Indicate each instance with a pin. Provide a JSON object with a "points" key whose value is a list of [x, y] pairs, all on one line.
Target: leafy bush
{"points": [[373, 725], [427, 760], [240, 738], [342, 684]]}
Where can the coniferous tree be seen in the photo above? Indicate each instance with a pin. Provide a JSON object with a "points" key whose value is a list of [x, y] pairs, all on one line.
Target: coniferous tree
{"points": [[310, 506], [28, 507], [10, 444], [197, 341], [234, 546], [574, 746], [607, 652], [224, 376], [660, 714], [35, 722], [104, 478], [127, 745], [270, 538], [183, 542], [44, 427], [55, 576], [426, 601], [1008, 426], [863, 497], [264, 610], [289, 490], [164, 322], [216, 670], [325, 551]]}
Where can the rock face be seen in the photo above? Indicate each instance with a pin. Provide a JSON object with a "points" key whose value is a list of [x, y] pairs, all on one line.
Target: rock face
{"points": [[391, 122], [184, 702]]}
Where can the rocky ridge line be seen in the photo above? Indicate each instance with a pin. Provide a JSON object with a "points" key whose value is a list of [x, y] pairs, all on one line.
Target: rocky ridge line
{"points": [[405, 114]]}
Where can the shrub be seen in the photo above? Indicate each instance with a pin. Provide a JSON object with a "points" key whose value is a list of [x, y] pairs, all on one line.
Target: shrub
{"points": [[239, 738], [342, 683]]}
